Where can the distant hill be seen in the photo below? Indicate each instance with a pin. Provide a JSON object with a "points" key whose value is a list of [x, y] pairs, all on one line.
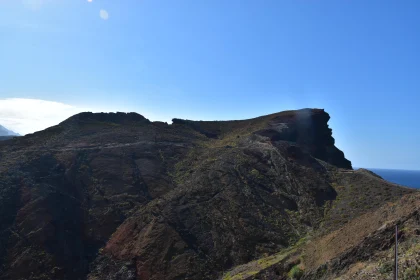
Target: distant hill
{"points": [[6, 132]]}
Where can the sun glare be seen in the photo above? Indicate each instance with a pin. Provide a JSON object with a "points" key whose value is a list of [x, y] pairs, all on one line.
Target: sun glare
{"points": [[104, 14]]}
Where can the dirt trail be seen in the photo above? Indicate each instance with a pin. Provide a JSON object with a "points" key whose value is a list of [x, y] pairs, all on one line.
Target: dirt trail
{"points": [[105, 146]]}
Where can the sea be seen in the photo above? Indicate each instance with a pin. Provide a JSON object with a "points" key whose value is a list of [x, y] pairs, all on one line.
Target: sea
{"points": [[408, 178]]}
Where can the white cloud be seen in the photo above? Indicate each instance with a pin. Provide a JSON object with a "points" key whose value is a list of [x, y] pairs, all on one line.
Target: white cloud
{"points": [[29, 115], [103, 14]]}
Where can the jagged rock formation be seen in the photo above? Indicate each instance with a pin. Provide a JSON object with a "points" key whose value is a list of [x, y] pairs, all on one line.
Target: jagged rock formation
{"points": [[115, 196]]}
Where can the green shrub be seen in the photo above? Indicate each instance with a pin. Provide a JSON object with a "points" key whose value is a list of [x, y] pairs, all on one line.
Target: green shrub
{"points": [[295, 273], [412, 273], [385, 268], [255, 172]]}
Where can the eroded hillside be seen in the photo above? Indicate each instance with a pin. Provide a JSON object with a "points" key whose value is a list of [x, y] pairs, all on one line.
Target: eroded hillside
{"points": [[361, 249]]}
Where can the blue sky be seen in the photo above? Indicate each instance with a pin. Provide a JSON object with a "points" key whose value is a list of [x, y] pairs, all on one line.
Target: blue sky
{"points": [[217, 60]]}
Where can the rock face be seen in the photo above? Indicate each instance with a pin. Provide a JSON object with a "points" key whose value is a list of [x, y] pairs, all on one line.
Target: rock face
{"points": [[115, 196], [308, 129]]}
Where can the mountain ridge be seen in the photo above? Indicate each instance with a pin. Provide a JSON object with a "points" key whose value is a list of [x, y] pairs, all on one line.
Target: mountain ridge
{"points": [[115, 196], [6, 132]]}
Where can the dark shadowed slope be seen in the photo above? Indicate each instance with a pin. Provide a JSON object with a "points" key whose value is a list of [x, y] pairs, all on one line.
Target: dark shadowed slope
{"points": [[3, 138], [115, 196]]}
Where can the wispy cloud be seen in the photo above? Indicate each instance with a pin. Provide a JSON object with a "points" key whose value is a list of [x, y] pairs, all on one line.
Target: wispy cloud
{"points": [[29, 115]]}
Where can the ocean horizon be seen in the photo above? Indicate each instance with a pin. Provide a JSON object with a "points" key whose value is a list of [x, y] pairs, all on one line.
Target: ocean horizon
{"points": [[407, 178]]}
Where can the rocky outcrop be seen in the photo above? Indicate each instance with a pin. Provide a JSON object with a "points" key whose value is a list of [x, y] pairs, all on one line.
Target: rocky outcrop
{"points": [[117, 118], [309, 129]]}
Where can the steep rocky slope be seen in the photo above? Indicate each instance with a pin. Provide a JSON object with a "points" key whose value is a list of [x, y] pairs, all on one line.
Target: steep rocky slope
{"points": [[362, 249], [115, 196]]}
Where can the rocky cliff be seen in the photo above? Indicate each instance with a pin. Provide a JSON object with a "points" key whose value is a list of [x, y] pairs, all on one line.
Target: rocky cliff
{"points": [[115, 196]]}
